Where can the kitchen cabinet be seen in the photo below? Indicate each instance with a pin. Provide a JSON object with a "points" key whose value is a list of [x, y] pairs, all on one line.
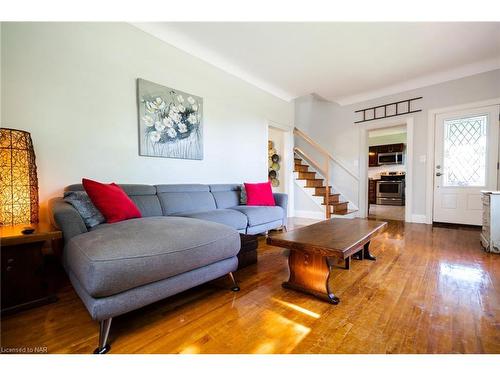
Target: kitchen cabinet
{"points": [[372, 191]]}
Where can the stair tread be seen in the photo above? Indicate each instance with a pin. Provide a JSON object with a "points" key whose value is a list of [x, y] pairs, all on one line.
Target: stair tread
{"points": [[345, 212], [331, 195], [336, 203]]}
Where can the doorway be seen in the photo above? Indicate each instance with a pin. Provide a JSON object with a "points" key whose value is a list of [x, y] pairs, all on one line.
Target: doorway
{"points": [[280, 168], [407, 124], [387, 173], [465, 162]]}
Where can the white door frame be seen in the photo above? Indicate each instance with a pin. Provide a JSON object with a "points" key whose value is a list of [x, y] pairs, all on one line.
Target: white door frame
{"points": [[363, 162], [287, 164], [429, 191]]}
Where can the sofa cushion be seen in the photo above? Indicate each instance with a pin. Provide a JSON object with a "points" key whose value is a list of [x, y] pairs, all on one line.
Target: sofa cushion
{"points": [[261, 214], [144, 197], [259, 194], [110, 199], [232, 218], [80, 200], [116, 257], [226, 195], [176, 199]]}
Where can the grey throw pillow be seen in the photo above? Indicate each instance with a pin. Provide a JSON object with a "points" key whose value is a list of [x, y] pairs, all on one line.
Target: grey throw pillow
{"points": [[243, 195], [81, 202]]}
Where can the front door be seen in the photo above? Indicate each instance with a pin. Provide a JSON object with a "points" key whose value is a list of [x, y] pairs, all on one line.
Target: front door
{"points": [[466, 157]]}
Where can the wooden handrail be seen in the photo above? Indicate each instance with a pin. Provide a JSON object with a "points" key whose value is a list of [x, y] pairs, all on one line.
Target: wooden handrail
{"points": [[313, 143], [322, 150]]}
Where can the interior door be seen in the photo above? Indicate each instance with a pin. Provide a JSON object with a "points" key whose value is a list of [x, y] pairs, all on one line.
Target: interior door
{"points": [[466, 158]]}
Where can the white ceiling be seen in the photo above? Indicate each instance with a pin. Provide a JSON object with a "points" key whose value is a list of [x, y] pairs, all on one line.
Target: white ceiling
{"points": [[340, 61]]}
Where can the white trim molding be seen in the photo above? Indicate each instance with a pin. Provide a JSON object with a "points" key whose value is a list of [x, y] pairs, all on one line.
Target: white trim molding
{"points": [[431, 125], [363, 163], [422, 219]]}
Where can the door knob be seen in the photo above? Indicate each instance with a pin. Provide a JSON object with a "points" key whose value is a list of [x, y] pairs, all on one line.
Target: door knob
{"points": [[438, 174]]}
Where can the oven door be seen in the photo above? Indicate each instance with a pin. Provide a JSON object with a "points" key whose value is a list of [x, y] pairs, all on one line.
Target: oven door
{"points": [[389, 189]]}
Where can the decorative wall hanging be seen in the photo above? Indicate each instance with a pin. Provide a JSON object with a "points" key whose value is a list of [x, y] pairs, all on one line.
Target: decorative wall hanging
{"points": [[402, 107], [170, 122], [18, 179], [274, 165]]}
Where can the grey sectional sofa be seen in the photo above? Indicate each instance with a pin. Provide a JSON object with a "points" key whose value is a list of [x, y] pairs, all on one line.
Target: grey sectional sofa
{"points": [[188, 235]]}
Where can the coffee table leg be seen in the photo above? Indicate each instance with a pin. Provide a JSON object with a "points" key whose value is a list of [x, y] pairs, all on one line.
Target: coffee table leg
{"points": [[366, 252], [310, 273]]}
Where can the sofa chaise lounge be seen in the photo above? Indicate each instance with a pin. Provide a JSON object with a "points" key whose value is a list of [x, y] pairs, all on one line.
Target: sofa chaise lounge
{"points": [[188, 235]]}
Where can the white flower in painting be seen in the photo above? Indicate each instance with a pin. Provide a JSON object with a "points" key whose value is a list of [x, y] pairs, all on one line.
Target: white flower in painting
{"points": [[150, 107], [155, 105], [194, 107], [159, 126], [148, 120], [182, 127], [174, 109], [181, 108], [154, 136], [175, 117], [160, 103], [192, 118], [167, 121], [171, 133], [180, 98], [191, 100]]}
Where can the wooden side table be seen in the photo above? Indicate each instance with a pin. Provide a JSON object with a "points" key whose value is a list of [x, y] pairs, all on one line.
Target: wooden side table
{"points": [[25, 267]]}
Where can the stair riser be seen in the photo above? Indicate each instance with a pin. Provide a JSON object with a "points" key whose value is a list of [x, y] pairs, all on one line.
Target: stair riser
{"points": [[314, 183], [333, 199], [301, 168], [339, 208], [320, 190], [307, 175]]}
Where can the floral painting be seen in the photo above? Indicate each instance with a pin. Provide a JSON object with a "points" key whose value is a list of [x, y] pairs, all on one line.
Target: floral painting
{"points": [[170, 122]]}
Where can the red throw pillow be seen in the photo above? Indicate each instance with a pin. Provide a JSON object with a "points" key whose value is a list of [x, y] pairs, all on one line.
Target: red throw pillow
{"points": [[111, 200], [260, 194]]}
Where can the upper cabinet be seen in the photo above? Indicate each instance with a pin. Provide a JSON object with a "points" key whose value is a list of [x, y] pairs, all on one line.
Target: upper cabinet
{"points": [[373, 152]]}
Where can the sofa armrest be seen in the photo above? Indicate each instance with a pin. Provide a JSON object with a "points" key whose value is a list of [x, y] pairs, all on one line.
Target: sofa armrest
{"points": [[281, 199], [65, 217]]}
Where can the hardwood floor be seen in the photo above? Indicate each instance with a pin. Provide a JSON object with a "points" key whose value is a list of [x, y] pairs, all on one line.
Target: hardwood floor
{"points": [[431, 290], [385, 212]]}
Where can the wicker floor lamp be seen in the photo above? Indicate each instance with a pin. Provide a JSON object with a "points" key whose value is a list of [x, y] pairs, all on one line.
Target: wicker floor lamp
{"points": [[18, 179]]}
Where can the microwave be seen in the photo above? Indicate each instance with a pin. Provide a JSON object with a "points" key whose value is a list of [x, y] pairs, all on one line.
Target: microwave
{"points": [[390, 158]]}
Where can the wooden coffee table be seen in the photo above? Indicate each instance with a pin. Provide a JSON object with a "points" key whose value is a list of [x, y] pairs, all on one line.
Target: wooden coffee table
{"points": [[315, 248]]}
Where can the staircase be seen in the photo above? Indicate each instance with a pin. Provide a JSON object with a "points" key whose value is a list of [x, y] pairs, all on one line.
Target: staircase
{"points": [[313, 177], [314, 184]]}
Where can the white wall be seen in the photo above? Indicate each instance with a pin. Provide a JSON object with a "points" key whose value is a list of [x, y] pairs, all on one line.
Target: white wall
{"points": [[333, 125], [73, 86]]}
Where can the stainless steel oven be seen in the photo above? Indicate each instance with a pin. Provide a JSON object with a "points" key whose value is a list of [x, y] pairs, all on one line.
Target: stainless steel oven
{"points": [[390, 158], [391, 189]]}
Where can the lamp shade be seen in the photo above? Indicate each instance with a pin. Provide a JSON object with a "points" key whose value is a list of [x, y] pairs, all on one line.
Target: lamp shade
{"points": [[18, 179]]}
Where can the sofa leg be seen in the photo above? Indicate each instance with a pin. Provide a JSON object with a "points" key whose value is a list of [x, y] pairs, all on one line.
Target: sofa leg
{"points": [[235, 287], [284, 228], [104, 347]]}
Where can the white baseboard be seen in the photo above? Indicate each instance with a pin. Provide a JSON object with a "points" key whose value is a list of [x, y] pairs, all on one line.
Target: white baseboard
{"points": [[419, 219], [310, 214]]}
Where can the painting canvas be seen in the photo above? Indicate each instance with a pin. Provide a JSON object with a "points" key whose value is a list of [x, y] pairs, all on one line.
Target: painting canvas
{"points": [[170, 122]]}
